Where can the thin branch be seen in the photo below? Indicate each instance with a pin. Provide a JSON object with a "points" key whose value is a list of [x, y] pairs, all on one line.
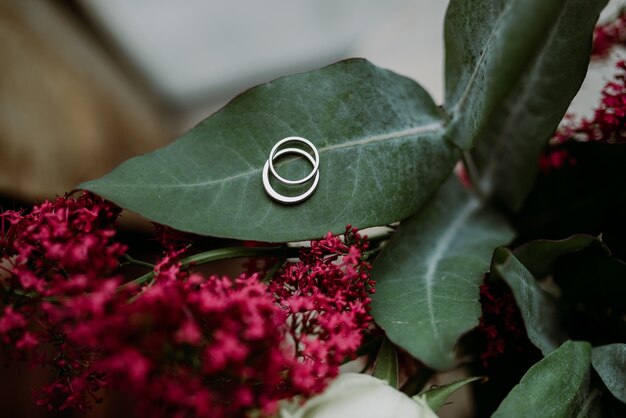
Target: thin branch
{"points": [[221, 254], [131, 260]]}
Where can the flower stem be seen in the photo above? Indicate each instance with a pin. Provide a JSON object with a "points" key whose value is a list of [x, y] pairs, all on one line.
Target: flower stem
{"points": [[222, 254], [27, 296], [131, 260], [586, 407], [273, 270]]}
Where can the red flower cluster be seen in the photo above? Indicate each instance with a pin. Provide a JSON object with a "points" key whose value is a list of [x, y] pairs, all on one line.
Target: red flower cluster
{"points": [[183, 345], [195, 347], [326, 298], [501, 324], [57, 263], [60, 248], [607, 125], [609, 35]]}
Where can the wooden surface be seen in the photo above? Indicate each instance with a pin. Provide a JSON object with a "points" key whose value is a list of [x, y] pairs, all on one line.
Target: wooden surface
{"points": [[68, 113]]}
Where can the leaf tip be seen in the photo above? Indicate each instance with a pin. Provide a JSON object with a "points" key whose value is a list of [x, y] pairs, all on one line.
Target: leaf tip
{"points": [[501, 255]]}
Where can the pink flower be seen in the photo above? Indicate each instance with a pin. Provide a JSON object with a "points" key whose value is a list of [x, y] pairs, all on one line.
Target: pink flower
{"points": [[326, 297], [61, 247], [11, 320], [59, 260], [609, 35], [189, 333], [501, 324], [184, 345], [607, 125]]}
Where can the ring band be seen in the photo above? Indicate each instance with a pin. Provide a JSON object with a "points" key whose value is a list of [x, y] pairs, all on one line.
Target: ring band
{"points": [[290, 200], [274, 154]]}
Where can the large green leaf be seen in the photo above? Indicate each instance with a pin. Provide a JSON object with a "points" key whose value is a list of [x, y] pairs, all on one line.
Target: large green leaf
{"points": [[496, 46], [556, 387], [610, 363], [539, 310], [511, 139], [379, 137], [428, 276]]}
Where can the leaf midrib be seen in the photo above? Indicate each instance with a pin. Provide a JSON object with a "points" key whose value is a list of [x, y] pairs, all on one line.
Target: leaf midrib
{"points": [[423, 129], [437, 255], [454, 111], [508, 126]]}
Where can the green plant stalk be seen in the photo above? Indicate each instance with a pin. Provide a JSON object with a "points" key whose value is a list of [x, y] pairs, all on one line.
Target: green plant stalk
{"points": [[132, 260], [222, 254], [273, 270], [24, 295], [586, 406], [283, 252]]}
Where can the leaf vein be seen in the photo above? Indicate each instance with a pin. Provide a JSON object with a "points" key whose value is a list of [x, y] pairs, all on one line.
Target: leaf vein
{"points": [[438, 253]]}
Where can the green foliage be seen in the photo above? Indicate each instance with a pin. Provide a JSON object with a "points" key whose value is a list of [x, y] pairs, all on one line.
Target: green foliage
{"points": [[539, 310], [491, 56], [436, 397], [610, 363], [556, 387], [514, 133], [427, 278], [386, 363]]}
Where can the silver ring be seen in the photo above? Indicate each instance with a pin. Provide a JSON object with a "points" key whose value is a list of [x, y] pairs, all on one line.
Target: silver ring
{"points": [[274, 154], [290, 200]]}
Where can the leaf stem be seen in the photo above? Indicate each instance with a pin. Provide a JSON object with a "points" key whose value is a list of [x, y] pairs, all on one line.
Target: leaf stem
{"points": [[30, 296], [273, 270], [586, 407], [222, 254], [282, 253], [370, 254], [131, 260], [381, 238]]}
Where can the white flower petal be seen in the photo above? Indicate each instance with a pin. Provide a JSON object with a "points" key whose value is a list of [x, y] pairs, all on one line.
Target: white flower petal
{"points": [[361, 396]]}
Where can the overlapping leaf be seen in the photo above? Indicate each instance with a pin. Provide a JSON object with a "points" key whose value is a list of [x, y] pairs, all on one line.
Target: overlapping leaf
{"points": [[610, 363], [539, 310], [437, 397], [513, 135], [556, 387], [379, 137], [428, 276], [512, 67], [539, 256], [386, 364]]}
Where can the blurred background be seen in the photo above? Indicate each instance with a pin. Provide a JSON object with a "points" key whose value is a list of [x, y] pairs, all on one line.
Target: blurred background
{"points": [[87, 84]]}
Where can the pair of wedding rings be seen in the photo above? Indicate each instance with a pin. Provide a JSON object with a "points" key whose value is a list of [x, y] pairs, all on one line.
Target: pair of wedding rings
{"points": [[313, 157]]}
